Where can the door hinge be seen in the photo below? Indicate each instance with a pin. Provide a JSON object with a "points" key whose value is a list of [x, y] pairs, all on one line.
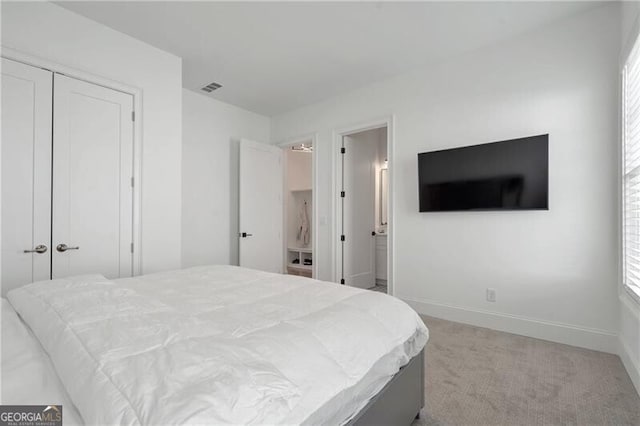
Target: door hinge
{"points": [[132, 182], [342, 281], [342, 194], [131, 247], [133, 116], [342, 238], [343, 150]]}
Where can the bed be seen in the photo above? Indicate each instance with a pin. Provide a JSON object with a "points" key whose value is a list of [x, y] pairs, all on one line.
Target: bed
{"points": [[219, 345]]}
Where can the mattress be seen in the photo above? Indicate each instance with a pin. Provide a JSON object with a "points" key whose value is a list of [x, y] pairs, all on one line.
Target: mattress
{"points": [[219, 344]]}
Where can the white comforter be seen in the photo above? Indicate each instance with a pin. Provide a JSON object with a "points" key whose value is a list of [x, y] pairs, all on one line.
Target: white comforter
{"points": [[219, 345], [28, 377]]}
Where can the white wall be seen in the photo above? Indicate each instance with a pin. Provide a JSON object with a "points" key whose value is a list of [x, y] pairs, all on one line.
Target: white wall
{"points": [[554, 271], [382, 156], [629, 307], [298, 184], [630, 11], [211, 131], [630, 337], [50, 32], [299, 168]]}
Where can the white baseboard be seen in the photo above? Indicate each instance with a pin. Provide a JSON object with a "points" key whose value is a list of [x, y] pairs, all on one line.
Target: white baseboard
{"points": [[590, 338]]}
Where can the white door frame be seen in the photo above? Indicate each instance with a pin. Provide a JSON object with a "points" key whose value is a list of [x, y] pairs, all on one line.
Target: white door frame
{"points": [[313, 137], [338, 134], [136, 92]]}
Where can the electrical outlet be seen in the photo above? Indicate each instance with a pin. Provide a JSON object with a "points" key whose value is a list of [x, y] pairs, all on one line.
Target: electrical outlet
{"points": [[491, 295]]}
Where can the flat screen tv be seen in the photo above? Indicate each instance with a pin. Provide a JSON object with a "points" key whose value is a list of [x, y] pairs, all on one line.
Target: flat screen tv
{"points": [[506, 175]]}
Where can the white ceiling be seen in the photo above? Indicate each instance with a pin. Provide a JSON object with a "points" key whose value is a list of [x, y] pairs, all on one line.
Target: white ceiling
{"points": [[274, 57]]}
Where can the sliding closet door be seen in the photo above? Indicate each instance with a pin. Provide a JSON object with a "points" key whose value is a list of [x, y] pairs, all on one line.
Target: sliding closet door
{"points": [[26, 174], [92, 194]]}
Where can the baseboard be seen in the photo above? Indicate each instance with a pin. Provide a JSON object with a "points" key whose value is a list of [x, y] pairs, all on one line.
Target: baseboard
{"points": [[590, 338]]}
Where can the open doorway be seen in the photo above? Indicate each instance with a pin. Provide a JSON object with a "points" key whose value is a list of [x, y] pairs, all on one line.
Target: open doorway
{"points": [[299, 238], [363, 208]]}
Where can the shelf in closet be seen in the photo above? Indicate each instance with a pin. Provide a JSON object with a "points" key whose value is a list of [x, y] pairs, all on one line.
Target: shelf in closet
{"points": [[301, 249], [300, 254], [299, 266]]}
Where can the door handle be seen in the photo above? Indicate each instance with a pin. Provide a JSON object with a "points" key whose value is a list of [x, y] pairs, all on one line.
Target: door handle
{"points": [[40, 248], [245, 235], [63, 247]]}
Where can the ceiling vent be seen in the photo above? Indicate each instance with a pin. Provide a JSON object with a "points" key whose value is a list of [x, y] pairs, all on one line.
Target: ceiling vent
{"points": [[211, 87]]}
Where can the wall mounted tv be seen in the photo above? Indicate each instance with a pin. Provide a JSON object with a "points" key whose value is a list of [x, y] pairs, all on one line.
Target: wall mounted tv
{"points": [[506, 175]]}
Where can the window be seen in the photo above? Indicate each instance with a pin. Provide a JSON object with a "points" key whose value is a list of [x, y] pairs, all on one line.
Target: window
{"points": [[631, 171]]}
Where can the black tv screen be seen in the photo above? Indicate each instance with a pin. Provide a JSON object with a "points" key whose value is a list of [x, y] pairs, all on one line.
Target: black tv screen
{"points": [[506, 175]]}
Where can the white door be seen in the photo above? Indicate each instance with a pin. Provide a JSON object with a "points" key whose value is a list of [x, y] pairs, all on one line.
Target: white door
{"points": [[26, 174], [261, 206], [92, 187], [359, 268]]}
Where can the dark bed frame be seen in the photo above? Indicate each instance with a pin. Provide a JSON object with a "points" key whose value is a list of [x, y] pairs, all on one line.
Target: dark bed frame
{"points": [[400, 401]]}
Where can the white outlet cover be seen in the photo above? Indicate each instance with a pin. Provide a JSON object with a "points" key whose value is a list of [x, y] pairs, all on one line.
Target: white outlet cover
{"points": [[491, 295]]}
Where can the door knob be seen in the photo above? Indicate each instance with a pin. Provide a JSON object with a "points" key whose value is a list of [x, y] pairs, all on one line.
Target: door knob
{"points": [[63, 247], [40, 248]]}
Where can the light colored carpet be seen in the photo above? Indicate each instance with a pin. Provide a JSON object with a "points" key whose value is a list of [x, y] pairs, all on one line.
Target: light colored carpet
{"points": [[477, 376]]}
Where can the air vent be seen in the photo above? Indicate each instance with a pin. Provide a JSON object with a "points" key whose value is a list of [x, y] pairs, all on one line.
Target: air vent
{"points": [[211, 87]]}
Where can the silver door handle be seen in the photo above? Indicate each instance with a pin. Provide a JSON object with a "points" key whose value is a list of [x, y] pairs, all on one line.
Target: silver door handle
{"points": [[40, 248], [63, 247]]}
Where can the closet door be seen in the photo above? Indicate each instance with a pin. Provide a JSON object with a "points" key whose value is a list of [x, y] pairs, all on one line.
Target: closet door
{"points": [[359, 255], [92, 192], [26, 174], [261, 207]]}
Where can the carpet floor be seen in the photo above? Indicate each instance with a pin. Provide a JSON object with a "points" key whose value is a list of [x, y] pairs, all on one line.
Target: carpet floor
{"points": [[477, 376]]}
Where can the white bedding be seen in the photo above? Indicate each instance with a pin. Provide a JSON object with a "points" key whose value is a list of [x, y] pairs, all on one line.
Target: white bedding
{"points": [[28, 377], [219, 345]]}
